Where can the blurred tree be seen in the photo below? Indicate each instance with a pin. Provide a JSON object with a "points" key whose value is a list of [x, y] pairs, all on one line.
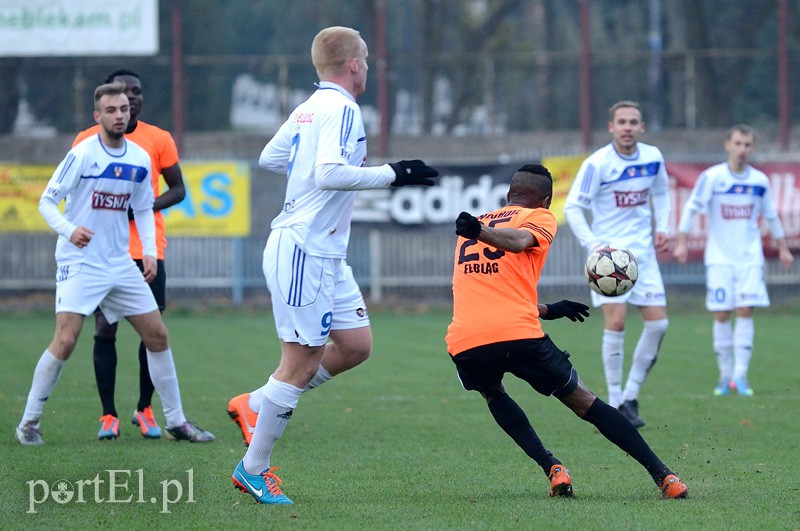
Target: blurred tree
{"points": [[509, 63]]}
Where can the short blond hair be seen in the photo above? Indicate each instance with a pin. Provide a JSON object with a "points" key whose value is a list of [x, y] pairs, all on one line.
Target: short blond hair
{"points": [[108, 89], [333, 47], [621, 105]]}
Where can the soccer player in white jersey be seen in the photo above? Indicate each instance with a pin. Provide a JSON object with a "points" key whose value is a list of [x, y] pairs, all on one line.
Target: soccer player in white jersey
{"points": [[99, 179], [319, 311], [732, 196], [625, 187]]}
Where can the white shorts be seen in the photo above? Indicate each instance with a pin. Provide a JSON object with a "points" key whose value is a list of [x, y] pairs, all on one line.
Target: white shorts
{"points": [[649, 287], [119, 291], [729, 287], [310, 295]]}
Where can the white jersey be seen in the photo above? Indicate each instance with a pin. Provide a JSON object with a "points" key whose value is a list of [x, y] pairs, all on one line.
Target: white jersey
{"points": [[732, 204], [99, 184], [617, 189], [325, 129]]}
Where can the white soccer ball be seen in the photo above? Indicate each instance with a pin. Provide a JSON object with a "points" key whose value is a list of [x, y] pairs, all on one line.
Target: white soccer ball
{"points": [[611, 272]]}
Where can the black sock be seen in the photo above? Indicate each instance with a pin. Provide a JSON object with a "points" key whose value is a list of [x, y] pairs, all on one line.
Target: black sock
{"points": [[514, 422], [146, 386], [105, 371], [617, 429]]}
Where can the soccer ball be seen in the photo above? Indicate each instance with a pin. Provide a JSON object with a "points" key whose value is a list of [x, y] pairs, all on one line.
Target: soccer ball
{"points": [[611, 272]]}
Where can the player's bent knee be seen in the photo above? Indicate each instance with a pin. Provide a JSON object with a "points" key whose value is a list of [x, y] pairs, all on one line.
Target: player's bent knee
{"points": [[580, 400], [156, 339], [659, 326], [359, 354], [62, 347]]}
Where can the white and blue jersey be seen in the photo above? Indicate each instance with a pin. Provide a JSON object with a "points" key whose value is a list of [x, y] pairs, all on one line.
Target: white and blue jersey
{"points": [[617, 189], [99, 184], [325, 129], [732, 204]]}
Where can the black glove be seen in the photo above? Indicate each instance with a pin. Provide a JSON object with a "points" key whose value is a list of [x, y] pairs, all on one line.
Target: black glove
{"points": [[468, 225], [574, 311], [130, 214], [413, 172]]}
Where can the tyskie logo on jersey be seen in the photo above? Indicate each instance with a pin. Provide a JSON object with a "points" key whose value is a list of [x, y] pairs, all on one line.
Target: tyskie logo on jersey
{"points": [[736, 211], [631, 198], [105, 201]]}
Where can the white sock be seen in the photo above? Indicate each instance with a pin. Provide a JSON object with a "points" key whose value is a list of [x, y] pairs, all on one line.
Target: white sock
{"points": [[644, 356], [45, 376], [723, 348], [320, 378], [743, 332], [255, 398], [613, 357], [280, 400], [165, 380]]}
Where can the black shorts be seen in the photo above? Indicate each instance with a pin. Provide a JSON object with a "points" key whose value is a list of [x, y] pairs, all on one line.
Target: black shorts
{"points": [[159, 284], [537, 361]]}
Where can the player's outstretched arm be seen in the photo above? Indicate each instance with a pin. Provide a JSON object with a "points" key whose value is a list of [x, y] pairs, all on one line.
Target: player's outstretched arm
{"points": [[574, 311]]}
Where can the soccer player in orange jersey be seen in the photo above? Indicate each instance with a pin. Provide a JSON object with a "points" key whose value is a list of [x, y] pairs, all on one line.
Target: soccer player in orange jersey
{"points": [[163, 152], [499, 258]]}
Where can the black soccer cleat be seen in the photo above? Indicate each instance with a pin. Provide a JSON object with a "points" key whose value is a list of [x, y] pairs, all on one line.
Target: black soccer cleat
{"points": [[630, 410]]}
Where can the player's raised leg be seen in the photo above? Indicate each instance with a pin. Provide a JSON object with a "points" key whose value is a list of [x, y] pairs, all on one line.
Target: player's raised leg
{"points": [[620, 431], [281, 394], [347, 349]]}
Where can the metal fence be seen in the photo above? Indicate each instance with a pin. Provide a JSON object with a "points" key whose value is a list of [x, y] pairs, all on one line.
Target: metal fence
{"points": [[390, 265]]}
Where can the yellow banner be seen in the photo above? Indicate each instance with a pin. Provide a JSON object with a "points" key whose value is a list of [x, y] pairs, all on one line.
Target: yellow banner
{"points": [[21, 186], [217, 199], [563, 170]]}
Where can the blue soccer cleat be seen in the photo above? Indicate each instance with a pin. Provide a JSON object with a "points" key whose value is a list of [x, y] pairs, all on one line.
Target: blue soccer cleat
{"points": [[264, 487], [723, 387], [109, 428], [147, 423], [742, 386]]}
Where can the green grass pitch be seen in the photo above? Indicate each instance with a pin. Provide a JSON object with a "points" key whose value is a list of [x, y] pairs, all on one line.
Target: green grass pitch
{"points": [[396, 443]]}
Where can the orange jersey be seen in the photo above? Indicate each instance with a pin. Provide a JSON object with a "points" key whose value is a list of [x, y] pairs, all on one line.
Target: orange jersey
{"points": [[163, 154], [494, 291]]}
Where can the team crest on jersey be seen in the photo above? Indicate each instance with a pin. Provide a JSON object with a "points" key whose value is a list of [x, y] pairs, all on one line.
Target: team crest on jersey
{"points": [[642, 170], [117, 171]]}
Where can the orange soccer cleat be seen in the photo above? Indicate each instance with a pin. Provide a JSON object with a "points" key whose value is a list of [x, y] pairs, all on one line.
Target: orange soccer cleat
{"points": [[560, 482], [239, 411], [109, 428], [673, 487]]}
